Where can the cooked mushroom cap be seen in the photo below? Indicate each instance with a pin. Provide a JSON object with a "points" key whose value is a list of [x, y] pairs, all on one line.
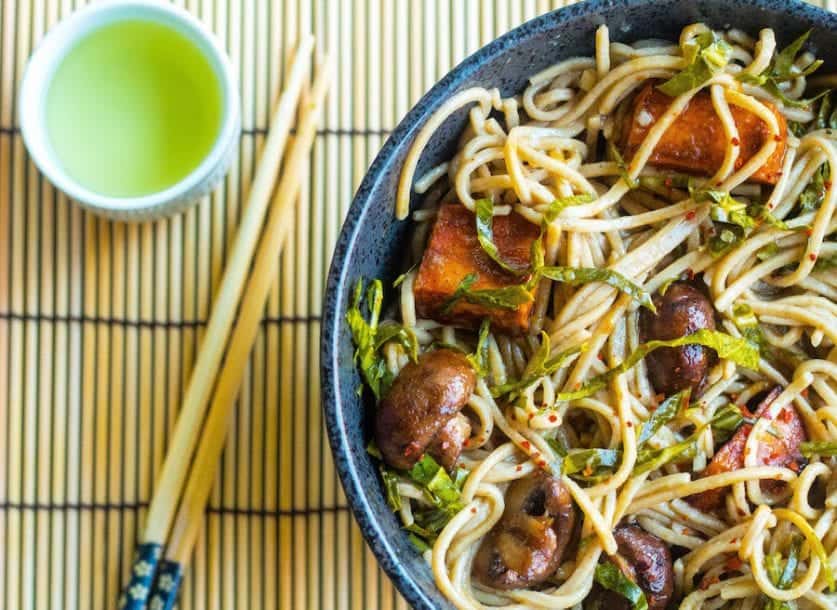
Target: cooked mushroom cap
{"points": [[449, 441], [646, 560], [422, 400], [682, 310], [526, 546]]}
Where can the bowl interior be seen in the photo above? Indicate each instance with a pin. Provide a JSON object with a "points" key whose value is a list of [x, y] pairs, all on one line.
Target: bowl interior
{"points": [[371, 242]]}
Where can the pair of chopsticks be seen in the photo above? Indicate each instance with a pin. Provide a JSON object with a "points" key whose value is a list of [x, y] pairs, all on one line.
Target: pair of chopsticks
{"points": [[182, 491]]}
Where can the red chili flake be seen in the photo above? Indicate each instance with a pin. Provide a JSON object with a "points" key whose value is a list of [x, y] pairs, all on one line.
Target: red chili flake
{"points": [[690, 215], [474, 509], [630, 424], [659, 397], [827, 184], [668, 182], [531, 416], [794, 466], [553, 418], [733, 563], [812, 256], [708, 582], [719, 183], [588, 470], [577, 386], [804, 392], [542, 464], [467, 442], [784, 415], [769, 206], [525, 445], [599, 357], [518, 468], [691, 273], [809, 232], [735, 141]]}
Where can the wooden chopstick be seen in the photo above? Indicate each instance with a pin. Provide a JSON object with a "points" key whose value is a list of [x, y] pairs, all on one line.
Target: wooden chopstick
{"points": [[202, 473], [190, 420]]}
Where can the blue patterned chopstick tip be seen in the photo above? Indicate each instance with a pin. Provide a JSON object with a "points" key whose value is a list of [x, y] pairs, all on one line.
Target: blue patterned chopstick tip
{"points": [[167, 585], [135, 595]]}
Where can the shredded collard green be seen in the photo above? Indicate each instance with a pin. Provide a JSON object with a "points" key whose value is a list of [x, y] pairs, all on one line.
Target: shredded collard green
{"points": [[822, 448], [390, 480], [507, 297], [479, 359], [576, 276], [369, 336], [485, 235], [781, 573], [623, 167], [705, 55], [728, 347], [441, 491], [559, 204], [663, 414], [540, 365], [783, 68], [613, 579]]}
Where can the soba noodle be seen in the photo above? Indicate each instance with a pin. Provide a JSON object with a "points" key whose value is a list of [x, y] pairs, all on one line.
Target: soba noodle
{"points": [[527, 151]]}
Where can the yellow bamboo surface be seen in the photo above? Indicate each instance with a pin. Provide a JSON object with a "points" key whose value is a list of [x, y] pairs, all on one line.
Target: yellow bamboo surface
{"points": [[100, 323]]}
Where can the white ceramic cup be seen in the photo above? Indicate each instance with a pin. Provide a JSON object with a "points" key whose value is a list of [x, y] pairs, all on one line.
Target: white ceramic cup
{"points": [[48, 57]]}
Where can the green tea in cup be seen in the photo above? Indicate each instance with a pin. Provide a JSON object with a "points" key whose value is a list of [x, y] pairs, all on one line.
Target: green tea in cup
{"points": [[133, 109]]}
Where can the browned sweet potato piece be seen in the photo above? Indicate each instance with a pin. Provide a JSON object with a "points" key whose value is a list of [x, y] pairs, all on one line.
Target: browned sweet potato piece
{"points": [[695, 142], [779, 450], [453, 252]]}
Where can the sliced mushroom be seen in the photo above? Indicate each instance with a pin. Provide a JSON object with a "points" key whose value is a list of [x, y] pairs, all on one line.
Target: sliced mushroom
{"points": [[681, 311], [423, 399], [646, 560], [528, 543]]}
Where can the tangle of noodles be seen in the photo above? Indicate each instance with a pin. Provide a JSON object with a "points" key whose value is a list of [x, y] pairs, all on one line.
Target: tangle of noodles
{"points": [[547, 143]]}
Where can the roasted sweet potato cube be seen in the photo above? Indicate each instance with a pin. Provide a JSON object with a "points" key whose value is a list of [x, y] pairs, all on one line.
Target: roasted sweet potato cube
{"points": [[695, 143], [781, 448], [453, 252]]}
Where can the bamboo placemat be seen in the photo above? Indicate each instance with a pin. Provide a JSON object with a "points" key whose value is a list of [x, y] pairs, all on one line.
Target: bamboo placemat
{"points": [[100, 322]]}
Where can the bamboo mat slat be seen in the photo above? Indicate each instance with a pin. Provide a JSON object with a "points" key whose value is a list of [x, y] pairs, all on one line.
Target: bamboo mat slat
{"points": [[100, 323]]}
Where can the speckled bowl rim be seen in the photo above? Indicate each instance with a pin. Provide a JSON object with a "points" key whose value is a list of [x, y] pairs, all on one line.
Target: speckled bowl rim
{"points": [[337, 286]]}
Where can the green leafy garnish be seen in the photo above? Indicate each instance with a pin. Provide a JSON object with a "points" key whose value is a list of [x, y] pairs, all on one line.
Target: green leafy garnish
{"points": [[623, 167], [390, 480], [705, 55], [581, 460], [612, 578], [730, 211], [652, 459], [441, 491], [826, 114], [540, 365], [555, 208], [663, 414], [479, 359], [485, 235], [748, 324], [823, 448], [507, 297], [728, 347], [726, 209], [797, 128], [825, 262], [400, 279], [782, 68], [813, 195], [768, 251], [576, 276], [727, 419], [369, 337], [782, 573], [726, 237]]}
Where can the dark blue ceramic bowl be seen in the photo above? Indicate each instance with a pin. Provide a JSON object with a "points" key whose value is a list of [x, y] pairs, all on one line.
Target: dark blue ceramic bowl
{"points": [[371, 243]]}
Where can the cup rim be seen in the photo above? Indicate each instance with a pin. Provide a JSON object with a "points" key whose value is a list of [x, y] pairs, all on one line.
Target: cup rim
{"points": [[47, 57]]}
